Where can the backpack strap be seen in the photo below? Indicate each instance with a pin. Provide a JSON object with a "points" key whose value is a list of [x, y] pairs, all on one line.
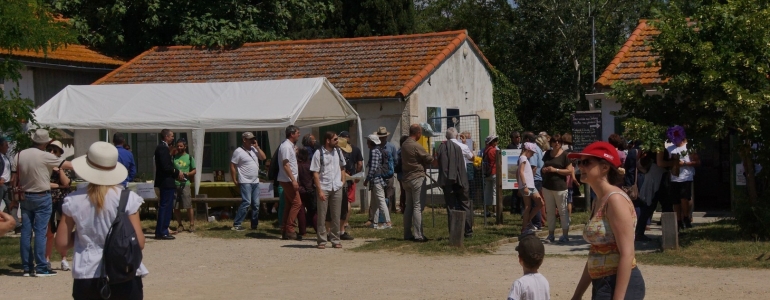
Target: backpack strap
{"points": [[123, 201]]}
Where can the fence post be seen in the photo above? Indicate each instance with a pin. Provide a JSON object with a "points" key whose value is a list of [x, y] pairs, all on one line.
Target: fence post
{"points": [[364, 201], [670, 238], [456, 227], [499, 187]]}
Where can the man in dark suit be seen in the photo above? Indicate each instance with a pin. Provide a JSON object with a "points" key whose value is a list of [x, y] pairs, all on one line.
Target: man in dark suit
{"points": [[453, 178], [165, 174]]}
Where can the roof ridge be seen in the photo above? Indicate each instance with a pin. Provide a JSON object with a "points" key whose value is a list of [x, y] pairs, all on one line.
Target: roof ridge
{"points": [[604, 78], [328, 40], [127, 64]]}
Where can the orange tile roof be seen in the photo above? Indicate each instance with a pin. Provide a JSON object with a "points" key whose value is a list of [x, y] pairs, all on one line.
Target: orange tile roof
{"points": [[370, 67], [635, 61], [72, 53]]}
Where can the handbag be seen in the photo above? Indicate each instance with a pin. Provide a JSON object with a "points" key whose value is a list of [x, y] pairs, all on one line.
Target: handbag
{"points": [[18, 193], [633, 191]]}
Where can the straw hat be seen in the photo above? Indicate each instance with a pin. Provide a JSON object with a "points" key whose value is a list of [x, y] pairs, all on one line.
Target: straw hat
{"points": [[382, 132], [100, 165], [57, 144], [40, 136], [343, 144]]}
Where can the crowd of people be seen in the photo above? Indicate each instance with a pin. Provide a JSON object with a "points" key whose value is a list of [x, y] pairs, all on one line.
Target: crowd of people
{"points": [[318, 185]]}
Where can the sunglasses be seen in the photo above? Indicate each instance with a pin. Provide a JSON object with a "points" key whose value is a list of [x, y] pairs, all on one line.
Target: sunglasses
{"points": [[585, 162]]}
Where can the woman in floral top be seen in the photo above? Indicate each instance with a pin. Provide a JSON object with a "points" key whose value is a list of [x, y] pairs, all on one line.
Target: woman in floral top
{"points": [[611, 268], [60, 187]]}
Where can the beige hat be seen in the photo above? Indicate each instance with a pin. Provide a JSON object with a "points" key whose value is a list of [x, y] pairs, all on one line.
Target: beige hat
{"points": [[100, 165], [40, 136], [374, 138], [382, 132], [343, 144], [57, 144], [247, 135]]}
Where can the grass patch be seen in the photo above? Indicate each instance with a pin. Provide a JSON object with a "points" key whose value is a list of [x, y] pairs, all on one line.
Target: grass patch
{"points": [[10, 259], [716, 245]]}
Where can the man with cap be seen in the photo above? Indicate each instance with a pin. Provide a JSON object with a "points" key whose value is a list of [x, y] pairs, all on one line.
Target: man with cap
{"points": [[376, 184], [125, 157], [490, 181], [390, 189], [34, 167], [245, 162], [354, 163], [532, 285], [453, 178], [165, 176]]}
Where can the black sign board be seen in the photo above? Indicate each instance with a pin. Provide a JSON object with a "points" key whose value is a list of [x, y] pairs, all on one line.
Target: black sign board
{"points": [[586, 128]]}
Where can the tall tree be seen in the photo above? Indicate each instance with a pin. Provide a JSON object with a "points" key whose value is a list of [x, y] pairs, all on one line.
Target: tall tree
{"points": [[128, 27], [359, 18], [26, 26], [717, 62]]}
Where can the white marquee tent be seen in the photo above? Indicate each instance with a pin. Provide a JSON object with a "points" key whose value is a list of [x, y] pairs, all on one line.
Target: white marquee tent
{"points": [[198, 107]]}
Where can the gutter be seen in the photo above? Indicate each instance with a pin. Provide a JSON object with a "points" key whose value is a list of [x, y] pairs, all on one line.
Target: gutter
{"points": [[65, 67], [375, 100]]}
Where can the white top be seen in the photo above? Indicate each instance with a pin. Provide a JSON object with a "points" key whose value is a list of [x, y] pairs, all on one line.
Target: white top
{"points": [[467, 153], [247, 164], [35, 167], [532, 286], [686, 173], [286, 151], [92, 227], [331, 177], [529, 179], [6, 168]]}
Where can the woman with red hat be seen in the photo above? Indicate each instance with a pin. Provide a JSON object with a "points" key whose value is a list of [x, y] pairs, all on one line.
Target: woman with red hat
{"points": [[611, 268]]}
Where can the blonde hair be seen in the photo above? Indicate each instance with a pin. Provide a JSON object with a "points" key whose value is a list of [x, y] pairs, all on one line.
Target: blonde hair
{"points": [[542, 142], [96, 194]]}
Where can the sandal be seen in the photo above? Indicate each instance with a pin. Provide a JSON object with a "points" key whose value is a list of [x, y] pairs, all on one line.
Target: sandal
{"points": [[338, 246], [180, 227], [192, 228], [170, 232], [321, 247]]}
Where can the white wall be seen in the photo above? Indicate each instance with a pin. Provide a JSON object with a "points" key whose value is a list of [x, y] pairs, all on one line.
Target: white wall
{"points": [[461, 82], [374, 115], [26, 84], [608, 120]]}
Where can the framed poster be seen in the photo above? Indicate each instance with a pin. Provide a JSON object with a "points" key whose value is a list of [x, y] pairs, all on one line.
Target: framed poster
{"points": [[434, 118], [510, 161]]}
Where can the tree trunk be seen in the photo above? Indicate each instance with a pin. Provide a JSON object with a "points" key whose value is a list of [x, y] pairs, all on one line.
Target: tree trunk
{"points": [[747, 157]]}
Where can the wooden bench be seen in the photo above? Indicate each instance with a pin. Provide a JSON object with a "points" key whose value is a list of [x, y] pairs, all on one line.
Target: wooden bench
{"points": [[212, 202]]}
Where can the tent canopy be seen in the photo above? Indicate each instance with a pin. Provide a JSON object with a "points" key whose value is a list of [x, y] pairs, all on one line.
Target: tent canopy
{"points": [[199, 107], [214, 106]]}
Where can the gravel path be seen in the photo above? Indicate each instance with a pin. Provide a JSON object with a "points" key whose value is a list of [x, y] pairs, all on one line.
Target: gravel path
{"points": [[205, 268]]}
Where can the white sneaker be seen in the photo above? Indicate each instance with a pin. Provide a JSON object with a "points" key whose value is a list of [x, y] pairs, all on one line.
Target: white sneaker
{"points": [[28, 274], [64, 265]]}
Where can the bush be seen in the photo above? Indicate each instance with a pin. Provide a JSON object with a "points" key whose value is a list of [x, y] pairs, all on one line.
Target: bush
{"points": [[754, 219]]}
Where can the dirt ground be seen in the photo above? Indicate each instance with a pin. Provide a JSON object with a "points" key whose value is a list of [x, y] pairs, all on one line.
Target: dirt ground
{"points": [[205, 268]]}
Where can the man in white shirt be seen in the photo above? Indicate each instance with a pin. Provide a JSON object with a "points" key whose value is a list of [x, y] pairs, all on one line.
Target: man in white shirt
{"points": [[5, 182], [287, 177], [467, 153], [245, 162], [327, 166], [34, 169]]}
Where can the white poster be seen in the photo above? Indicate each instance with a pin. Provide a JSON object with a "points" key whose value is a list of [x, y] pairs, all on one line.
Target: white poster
{"points": [[145, 190], [266, 190], [510, 164], [740, 177]]}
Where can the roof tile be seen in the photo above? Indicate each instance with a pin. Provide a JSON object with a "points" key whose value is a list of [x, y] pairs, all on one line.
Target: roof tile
{"points": [[634, 61], [371, 67], [73, 53]]}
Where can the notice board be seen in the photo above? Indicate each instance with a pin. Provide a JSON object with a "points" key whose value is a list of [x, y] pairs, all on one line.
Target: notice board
{"points": [[586, 128]]}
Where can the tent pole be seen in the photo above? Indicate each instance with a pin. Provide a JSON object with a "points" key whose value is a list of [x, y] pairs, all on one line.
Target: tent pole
{"points": [[361, 146]]}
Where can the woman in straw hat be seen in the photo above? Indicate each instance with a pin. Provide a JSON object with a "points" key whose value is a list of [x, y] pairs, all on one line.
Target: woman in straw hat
{"points": [[60, 187], [91, 211]]}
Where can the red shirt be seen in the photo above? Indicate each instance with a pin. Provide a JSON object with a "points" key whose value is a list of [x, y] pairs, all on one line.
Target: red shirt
{"points": [[490, 155]]}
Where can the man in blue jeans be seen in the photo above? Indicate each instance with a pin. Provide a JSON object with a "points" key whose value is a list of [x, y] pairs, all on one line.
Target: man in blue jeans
{"points": [[34, 169], [246, 161]]}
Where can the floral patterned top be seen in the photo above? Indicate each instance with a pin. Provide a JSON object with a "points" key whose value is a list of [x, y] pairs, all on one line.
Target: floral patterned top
{"points": [[603, 255]]}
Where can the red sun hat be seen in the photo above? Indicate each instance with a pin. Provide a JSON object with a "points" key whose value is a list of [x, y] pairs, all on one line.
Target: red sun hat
{"points": [[601, 150]]}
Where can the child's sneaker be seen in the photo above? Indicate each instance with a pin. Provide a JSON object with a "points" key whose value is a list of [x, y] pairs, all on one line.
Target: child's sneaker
{"points": [[64, 265]]}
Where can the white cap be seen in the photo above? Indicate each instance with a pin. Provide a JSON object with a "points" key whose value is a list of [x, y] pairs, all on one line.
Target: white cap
{"points": [[374, 138]]}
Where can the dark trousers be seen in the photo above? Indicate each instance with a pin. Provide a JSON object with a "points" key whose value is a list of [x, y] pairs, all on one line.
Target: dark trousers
{"points": [[307, 212], [456, 198], [165, 208], [603, 288], [88, 289]]}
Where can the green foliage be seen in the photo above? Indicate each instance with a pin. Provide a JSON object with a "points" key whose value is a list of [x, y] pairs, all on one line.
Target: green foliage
{"points": [[24, 26], [359, 18], [506, 100], [650, 134], [128, 27], [753, 219], [717, 61]]}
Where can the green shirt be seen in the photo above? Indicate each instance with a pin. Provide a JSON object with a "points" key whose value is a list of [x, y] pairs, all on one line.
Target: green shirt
{"points": [[184, 163]]}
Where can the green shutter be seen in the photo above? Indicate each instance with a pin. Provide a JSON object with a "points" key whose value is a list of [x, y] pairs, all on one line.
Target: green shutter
{"points": [[220, 152], [336, 128], [483, 130]]}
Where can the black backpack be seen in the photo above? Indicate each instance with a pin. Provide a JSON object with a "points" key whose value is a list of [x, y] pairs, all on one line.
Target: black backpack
{"points": [[122, 255], [272, 173]]}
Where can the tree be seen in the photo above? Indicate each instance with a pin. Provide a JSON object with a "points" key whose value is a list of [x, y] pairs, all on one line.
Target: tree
{"points": [[717, 62], [360, 18], [26, 26], [126, 28]]}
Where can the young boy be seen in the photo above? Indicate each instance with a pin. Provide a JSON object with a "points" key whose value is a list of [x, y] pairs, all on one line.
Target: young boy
{"points": [[532, 199], [533, 285]]}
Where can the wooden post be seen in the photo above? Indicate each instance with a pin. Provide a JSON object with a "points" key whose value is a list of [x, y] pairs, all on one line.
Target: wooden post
{"points": [[499, 187], [364, 201], [456, 227], [670, 238], [205, 204]]}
